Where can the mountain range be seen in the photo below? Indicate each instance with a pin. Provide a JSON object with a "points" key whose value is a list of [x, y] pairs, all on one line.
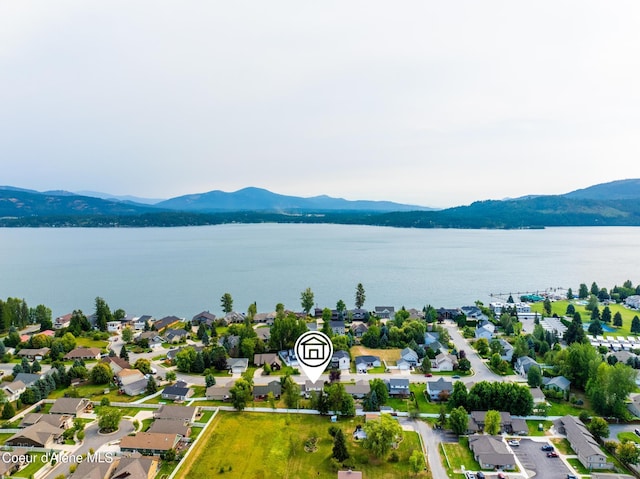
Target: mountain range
{"points": [[609, 204]]}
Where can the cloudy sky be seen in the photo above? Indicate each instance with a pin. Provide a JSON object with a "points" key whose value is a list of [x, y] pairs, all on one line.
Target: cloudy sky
{"points": [[422, 102]]}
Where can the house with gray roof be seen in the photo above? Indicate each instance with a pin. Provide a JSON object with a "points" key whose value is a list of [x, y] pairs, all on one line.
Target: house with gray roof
{"points": [[491, 452], [71, 406], [341, 360], [176, 335], [337, 327], [359, 329], [507, 350], [261, 392], [41, 434], [384, 312], [508, 423], [27, 378], [558, 383], [185, 414], [237, 365], [13, 390], [358, 390], [204, 317], [219, 392], [435, 388], [487, 332], [410, 356], [166, 322], [523, 364], [364, 363], [582, 442], [398, 387], [133, 467]]}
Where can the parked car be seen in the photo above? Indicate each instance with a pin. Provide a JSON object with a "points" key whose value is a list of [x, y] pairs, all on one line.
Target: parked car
{"points": [[547, 447], [502, 475], [513, 442], [552, 454], [637, 431], [471, 475], [571, 476], [455, 376], [480, 475], [428, 375]]}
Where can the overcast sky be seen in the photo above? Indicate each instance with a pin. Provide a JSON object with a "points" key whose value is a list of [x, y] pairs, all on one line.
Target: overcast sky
{"points": [[435, 103]]}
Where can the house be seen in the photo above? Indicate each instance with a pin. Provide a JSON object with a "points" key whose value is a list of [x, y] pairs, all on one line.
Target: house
{"points": [[178, 392], [473, 312], [634, 404], [174, 336], [62, 321], [132, 382], [149, 443], [166, 426], [165, 323], [398, 387], [261, 392], [632, 302], [487, 331], [523, 364], [410, 356], [491, 452], [384, 312], [582, 442], [437, 390], [154, 340], [32, 354], [116, 364], [114, 326], [140, 323], [218, 393], [71, 406], [538, 395], [337, 327], [364, 363], [349, 474], [94, 469], [61, 421], [340, 360], [83, 353], [133, 467], [233, 318], [204, 317], [27, 378], [13, 390], [237, 365], [507, 350], [444, 362], [447, 313], [310, 386], [431, 337], [437, 347], [358, 390], [41, 434], [359, 314], [359, 329], [271, 359], [13, 462], [263, 333], [185, 414], [558, 383], [508, 424]]}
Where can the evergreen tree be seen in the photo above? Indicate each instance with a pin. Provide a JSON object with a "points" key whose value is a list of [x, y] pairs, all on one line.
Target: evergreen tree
{"points": [[583, 292], [594, 288], [606, 315], [123, 353], [360, 296], [617, 319], [571, 309], [340, 446], [226, 302], [635, 325], [152, 386], [8, 411], [595, 328], [595, 314], [569, 294]]}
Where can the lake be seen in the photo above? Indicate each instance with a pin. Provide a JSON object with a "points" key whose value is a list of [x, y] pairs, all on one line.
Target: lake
{"points": [[183, 271]]}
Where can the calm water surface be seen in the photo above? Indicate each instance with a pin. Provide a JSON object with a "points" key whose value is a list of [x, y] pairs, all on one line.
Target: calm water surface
{"points": [[182, 271]]}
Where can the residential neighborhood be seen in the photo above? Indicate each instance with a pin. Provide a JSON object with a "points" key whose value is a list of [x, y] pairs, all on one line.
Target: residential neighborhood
{"points": [[489, 382]]}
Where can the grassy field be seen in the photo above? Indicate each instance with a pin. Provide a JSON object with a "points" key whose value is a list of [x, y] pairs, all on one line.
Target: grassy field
{"points": [[560, 308], [629, 436], [90, 343], [264, 446], [383, 354], [533, 427], [95, 393], [460, 455]]}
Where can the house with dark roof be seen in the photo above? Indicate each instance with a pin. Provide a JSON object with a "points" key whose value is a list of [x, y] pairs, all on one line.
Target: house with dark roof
{"points": [[116, 364], [438, 389], [204, 317], [237, 365], [337, 327], [175, 335], [27, 378], [491, 452], [166, 322], [94, 469], [340, 360], [13, 462], [582, 442], [508, 423], [166, 426], [359, 329], [178, 392], [359, 314], [364, 363], [523, 364], [261, 392], [271, 359], [61, 421], [384, 312], [219, 392], [398, 387], [558, 383], [140, 323]]}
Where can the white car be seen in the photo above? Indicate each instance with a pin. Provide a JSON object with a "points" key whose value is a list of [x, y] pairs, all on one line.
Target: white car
{"points": [[513, 442]]}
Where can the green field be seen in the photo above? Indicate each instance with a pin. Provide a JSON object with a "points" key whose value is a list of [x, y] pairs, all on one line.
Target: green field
{"points": [[82, 342], [264, 446], [460, 455], [560, 308]]}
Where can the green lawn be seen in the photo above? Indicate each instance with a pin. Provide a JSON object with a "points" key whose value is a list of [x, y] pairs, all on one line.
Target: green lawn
{"points": [[562, 408], [95, 393], [460, 455], [577, 465], [34, 466], [560, 308], [563, 446], [90, 343], [5, 436], [629, 436], [264, 446], [533, 427]]}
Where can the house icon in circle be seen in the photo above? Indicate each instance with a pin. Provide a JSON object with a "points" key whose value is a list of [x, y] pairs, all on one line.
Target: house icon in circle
{"points": [[313, 349]]}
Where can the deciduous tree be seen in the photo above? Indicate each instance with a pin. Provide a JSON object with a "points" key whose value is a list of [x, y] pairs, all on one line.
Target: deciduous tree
{"points": [[306, 300], [459, 421], [381, 435], [492, 422]]}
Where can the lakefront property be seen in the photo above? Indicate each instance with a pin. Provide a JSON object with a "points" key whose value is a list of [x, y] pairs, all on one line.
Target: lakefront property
{"points": [[407, 366]]}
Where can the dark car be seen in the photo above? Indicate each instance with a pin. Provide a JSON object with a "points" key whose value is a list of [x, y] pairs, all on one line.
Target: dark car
{"points": [[480, 475], [637, 431], [552, 454], [571, 476], [547, 447]]}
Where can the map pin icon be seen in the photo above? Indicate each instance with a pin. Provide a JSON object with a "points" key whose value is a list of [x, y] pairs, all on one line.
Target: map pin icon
{"points": [[314, 351]]}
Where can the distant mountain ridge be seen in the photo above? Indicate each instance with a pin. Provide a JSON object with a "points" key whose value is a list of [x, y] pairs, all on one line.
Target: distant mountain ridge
{"points": [[609, 204], [258, 199]]}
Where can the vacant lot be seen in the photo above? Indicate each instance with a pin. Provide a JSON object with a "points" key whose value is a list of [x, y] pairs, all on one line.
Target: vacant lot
{"points": [[384, 354], [265, 446]]}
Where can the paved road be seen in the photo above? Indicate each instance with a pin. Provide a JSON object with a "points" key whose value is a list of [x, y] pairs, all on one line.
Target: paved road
{"points": [[94, 441], [431, 440]]}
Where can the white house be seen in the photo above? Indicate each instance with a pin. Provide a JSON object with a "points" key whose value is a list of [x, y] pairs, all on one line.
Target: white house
{"points": [[444, 362], [487, 331], [410, 356], [340, 360]]}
